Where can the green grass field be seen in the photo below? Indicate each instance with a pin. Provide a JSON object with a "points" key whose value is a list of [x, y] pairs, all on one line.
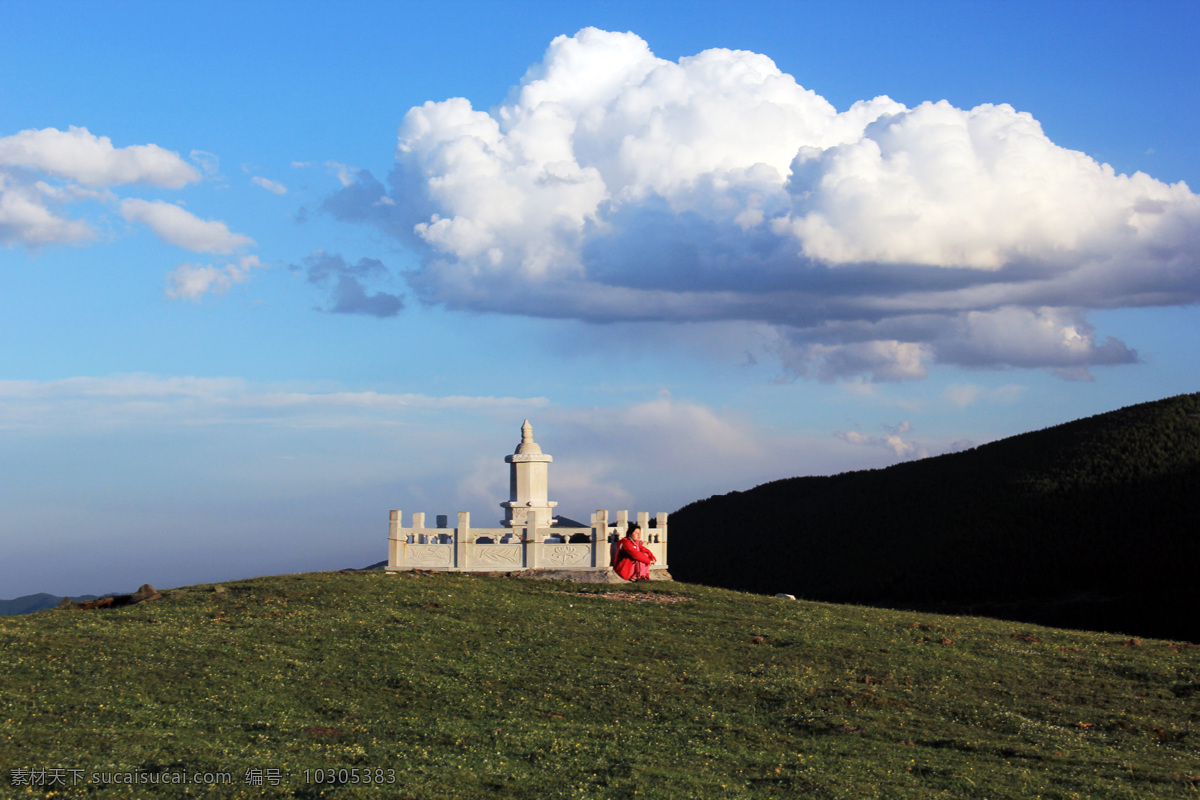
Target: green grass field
{"points": [[458, 686]]}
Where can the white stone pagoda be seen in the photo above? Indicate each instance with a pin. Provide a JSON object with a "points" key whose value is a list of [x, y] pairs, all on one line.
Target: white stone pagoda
{"points": [[528, 484], [532, 540]]}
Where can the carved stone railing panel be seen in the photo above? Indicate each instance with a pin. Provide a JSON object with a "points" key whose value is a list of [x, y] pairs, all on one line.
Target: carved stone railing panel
{"points": [[565, 556], [432, 556], [495, 556]]}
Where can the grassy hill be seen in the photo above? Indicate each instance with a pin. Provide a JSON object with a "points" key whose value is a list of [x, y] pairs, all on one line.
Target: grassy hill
{"points": [[467, 686], [1091, 524]]}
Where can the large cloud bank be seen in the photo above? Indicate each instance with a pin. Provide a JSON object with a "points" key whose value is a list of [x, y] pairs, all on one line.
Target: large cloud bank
{"points": [[614, 185]]}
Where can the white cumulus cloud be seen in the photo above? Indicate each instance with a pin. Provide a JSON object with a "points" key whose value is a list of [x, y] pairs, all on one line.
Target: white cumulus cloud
{"points": [[892, 440], [26, 218], [78, 155], [978, 188], [193, 281], [180, 227], [43, 171], [615, 185]]}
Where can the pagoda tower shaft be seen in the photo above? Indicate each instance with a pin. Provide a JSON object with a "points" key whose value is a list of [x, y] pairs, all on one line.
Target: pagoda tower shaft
{"points": [[528, 484]]}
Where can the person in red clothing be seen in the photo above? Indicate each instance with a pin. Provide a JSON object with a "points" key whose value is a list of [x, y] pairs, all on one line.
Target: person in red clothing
{"points": [[633, 558]]}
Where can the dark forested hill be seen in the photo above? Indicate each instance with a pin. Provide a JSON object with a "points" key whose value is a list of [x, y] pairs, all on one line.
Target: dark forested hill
{"points": [[1092, 524]]}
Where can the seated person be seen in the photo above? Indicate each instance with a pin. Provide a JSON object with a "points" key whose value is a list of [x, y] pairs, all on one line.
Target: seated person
{"points": [[633, 558]]}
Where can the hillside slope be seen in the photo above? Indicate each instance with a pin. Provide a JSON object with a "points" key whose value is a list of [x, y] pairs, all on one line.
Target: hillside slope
{"points": [[1091, 524], [453, 686]]}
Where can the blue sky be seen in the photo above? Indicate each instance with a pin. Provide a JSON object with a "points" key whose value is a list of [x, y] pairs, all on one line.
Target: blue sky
{"points": [[262, 278]]}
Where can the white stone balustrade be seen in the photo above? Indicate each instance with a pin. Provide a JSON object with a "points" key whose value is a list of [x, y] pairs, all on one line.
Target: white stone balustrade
{"points": [[531, 546]]}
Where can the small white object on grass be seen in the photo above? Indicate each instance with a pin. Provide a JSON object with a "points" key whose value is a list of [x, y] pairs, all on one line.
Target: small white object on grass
{"points": [[786, 596]]}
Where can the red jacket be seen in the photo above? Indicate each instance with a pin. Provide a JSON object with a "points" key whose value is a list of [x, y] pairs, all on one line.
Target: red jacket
{"points": [[629, 552]]}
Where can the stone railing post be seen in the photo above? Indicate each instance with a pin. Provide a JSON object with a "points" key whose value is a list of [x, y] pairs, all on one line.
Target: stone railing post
{"points": [[592, 539], [660, 524], [394, 538], [419, 528], [461, 537], [533, 548], [601, 552], [607, 534], [643, 521], [622, 523]]}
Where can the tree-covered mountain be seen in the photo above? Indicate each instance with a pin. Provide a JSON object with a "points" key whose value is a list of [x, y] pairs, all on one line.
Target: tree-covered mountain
{"points": [[1092, 524]]}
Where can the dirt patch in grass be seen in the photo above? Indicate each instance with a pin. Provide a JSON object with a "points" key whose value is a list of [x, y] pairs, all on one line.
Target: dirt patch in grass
{"points": [[634, 597]]}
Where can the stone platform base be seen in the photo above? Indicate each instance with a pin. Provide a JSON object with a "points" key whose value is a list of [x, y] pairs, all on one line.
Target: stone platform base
{"points": [[583, 576], [573, 575]]}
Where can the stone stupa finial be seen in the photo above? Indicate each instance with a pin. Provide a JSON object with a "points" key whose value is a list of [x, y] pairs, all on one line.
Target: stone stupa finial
{"points": [[527, 446]]}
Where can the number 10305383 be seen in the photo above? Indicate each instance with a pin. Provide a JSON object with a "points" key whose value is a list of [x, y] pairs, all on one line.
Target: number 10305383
{"points": [[350, 775]]}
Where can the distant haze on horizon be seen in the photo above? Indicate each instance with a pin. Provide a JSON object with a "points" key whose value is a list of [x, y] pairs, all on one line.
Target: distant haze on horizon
{"points": [[274, 271]]}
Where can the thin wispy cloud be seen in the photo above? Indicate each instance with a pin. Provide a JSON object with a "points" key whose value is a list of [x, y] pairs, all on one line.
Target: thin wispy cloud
{"points": [[274, 187], [143, 401], [209, 163], [346, 175], [965, 395]]}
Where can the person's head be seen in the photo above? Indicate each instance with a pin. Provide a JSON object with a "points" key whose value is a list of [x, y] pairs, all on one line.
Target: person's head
{"points": [[634, 532]]}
